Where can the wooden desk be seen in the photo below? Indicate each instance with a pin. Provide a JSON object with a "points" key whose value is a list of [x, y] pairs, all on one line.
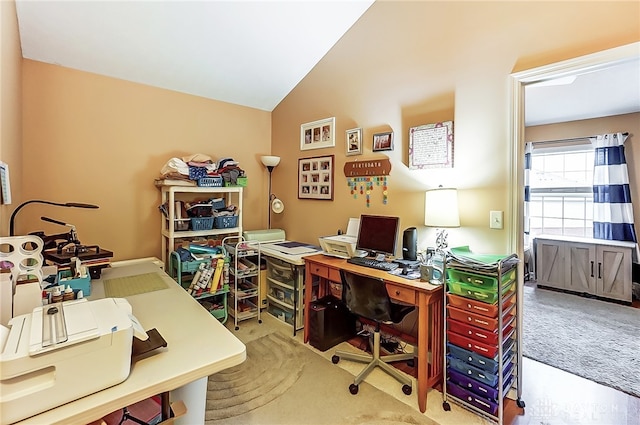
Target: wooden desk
{"points": [[427, 297], [198, 345]]}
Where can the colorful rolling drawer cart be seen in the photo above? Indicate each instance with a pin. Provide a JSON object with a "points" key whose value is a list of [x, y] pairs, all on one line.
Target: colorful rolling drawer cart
{"points": [[483, 349]]}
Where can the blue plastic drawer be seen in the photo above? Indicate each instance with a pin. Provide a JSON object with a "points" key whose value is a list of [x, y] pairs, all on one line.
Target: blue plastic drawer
{"points": [[480, 402], [475, 359], [478, 387], [477, 373]]}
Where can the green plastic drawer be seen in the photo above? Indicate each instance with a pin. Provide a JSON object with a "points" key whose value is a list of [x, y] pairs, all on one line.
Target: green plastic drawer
{"points": [[485, 281], [479, 293]]}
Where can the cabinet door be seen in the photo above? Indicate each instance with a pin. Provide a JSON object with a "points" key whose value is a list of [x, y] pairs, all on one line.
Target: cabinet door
{"points": [[550, 263], [613, 272], [581, 268]]}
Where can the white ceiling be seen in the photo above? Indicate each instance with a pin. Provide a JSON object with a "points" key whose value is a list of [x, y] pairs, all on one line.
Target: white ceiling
{"points": [[250, 53]]}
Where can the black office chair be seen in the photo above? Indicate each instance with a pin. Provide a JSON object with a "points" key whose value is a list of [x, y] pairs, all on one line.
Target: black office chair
{"points": [[367, 297]]}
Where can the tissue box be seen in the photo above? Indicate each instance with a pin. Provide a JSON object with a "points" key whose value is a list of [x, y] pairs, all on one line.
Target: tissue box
{"points": [[77, 284]]}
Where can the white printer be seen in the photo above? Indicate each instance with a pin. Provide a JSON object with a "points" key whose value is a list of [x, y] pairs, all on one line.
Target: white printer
{"points": [[342, 246], [61, 352]]}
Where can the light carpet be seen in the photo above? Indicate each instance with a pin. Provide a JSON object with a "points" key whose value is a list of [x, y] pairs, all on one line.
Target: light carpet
{"points": [[595, 339], [283, 382]]}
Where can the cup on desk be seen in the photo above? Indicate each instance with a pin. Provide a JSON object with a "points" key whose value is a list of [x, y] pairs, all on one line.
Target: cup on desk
{"points": [[431, 274]]}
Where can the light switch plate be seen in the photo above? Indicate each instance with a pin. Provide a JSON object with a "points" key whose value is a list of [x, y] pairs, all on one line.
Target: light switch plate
{"points": [[495, 219]]}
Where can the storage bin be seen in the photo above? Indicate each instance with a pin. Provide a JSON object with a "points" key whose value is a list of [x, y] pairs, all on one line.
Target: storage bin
{"points": [[240, 181], [181, 224], [478, 320], [477, 373], [478, 360], [478, 387], [285, 316], [77, 284], [469, 290], [487, 350], [479, 307], [280, 272], [217, 203], [478, 401], [211, 181], [201, 223], [225, 221], [486, 336], [485, 281]]}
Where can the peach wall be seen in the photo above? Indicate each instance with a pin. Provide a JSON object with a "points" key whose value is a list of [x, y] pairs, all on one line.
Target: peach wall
{"points": [[410, 63], [10, 106], [629, 123], [99, 140]]}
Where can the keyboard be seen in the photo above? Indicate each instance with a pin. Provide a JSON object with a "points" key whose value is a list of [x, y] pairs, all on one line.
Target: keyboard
{"points": [[367, 262]]}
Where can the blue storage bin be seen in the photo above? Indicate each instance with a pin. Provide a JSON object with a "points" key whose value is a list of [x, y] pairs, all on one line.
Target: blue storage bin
{"points": [[77, 284], [225, 221], [477, 373], [475, 359]]}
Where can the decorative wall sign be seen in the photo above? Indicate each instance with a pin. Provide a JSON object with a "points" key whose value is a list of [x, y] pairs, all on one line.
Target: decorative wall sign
{"points": [[315, 178], [431, 146], [370, 167], [364, 186], [318, 134]]}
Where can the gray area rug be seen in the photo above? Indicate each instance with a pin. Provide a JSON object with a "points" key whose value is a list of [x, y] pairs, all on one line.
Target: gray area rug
{"points": [[594, 339], [283, 382]]}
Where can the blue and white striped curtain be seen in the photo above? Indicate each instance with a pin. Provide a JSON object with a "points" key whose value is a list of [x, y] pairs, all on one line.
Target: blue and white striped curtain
{"points": [[612, 207]]}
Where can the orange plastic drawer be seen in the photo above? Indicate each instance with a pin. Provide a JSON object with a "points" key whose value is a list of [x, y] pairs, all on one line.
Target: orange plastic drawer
{"points": [[478, 320], [487, 350], [479, 307]]}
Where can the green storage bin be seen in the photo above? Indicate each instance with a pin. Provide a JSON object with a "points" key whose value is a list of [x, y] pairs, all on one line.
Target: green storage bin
{"points": [[485, 281]]}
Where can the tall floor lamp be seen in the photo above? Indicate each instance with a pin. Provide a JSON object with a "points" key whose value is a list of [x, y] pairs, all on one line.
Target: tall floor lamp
{"points": [[271, 162]]}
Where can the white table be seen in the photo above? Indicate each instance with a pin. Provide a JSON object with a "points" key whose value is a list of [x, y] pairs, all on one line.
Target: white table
{"points": [[198, 345]]}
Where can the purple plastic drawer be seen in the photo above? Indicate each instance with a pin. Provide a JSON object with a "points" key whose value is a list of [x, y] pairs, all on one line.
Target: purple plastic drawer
{"points": [[476, 386], [480, 402]]}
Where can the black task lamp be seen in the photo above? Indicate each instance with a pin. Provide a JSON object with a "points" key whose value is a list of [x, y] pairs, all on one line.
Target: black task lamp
{"points": [[39, 201], [274, 204]]}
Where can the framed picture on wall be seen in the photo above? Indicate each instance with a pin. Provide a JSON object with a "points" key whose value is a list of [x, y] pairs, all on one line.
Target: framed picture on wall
{"points": [[383, 141], [315, 178], [318, 134], [354, 141]]}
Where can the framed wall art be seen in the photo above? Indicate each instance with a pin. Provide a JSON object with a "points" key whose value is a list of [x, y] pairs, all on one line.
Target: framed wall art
{"points": [[315, 178], [318, 134], [431, 146], [354, 141], [383, 141]]}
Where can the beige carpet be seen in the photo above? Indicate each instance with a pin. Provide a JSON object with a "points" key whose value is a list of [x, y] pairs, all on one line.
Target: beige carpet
{"points": [[284, 382]]}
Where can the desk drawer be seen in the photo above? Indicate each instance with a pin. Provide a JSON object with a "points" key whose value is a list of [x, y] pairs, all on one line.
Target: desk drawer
{"points": [[401, 293], [325, 272]]}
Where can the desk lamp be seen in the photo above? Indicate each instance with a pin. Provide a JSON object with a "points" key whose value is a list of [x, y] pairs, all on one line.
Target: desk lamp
{"points": [[441, 211], [274, 203], [39, 201]]}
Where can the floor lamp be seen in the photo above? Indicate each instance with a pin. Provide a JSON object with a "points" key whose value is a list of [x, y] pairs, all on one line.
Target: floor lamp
{"points": [[270, 162]]}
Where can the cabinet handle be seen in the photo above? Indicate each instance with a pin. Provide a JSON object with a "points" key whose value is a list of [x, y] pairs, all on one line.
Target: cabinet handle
{"points": [[592, 269], [397, 292], [599, 270]]}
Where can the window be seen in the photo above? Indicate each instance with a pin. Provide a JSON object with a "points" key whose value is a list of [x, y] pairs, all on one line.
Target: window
{"points": [[561, 194]]}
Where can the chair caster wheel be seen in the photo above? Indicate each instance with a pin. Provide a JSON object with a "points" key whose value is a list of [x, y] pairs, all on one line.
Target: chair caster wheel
{"points": [[335, 359], [406, 389], [237, 327], [410, 363], [520, 403], [260, 321], [353, 389], [446, 406]]}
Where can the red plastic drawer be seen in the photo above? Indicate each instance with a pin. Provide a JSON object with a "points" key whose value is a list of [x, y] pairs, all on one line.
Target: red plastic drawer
{"points": [[479, 307], [487, 350], [478, 320], [482, 335]]}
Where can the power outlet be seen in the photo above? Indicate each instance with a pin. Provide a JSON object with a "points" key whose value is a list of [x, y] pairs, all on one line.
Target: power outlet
{"points": [[495, 219]]}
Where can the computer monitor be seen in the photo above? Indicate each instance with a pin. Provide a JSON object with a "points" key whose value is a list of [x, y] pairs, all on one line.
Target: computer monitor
{"points": [[378, 235]]}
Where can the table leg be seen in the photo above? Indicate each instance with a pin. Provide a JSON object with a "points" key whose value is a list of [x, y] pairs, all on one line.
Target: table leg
{"points": [[423, 352], [308, 289]]}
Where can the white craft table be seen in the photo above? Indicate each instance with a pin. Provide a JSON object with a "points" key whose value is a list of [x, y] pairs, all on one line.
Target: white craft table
{"points": [[198, 345]]}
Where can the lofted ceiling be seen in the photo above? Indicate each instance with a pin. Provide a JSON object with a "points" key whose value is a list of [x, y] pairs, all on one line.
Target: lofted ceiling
{"points": [[252, 53]]}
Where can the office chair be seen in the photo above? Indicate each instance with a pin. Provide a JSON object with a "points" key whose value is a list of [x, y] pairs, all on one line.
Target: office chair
{"points": [[367, 297]]}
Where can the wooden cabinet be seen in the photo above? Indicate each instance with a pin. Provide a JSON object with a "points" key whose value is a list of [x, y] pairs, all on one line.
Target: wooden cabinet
{"points": [[586, 266]]}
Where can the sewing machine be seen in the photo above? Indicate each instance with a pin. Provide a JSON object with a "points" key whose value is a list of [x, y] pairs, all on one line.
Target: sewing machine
{"points": [[64, 351]]}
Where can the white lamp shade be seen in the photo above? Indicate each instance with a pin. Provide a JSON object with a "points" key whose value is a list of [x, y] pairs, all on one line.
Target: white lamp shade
{"points": [[441, 208], [277, 206], [270, 161]]}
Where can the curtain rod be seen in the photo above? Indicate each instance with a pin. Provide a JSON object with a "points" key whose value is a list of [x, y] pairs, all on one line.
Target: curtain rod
{"points": [[572, 139]]}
